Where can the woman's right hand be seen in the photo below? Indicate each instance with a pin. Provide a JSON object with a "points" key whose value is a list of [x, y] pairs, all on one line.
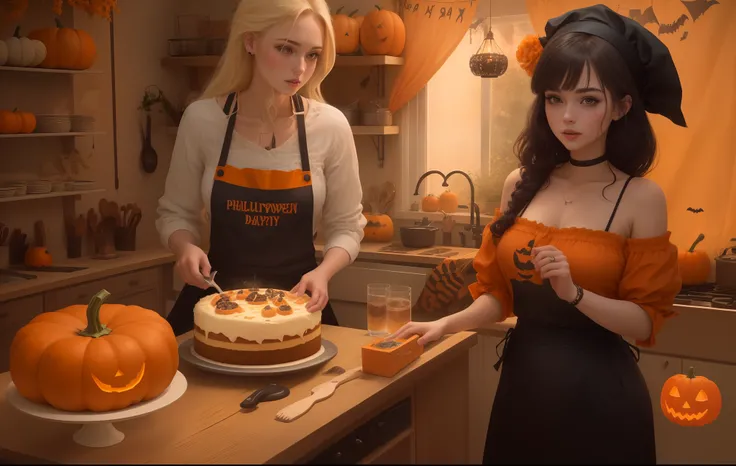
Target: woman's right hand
{"points": [[191, 264], [427, 331]]}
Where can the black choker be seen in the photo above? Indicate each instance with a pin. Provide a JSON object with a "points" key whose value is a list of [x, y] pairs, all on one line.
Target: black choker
{"points": [[588, 163]]}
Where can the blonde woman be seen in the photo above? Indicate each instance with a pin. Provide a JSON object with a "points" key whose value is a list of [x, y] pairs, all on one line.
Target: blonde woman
{"points": [[269, 160]]}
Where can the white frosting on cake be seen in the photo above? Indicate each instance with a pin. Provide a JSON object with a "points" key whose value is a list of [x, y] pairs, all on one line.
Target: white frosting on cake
{"points": [[251, 324]]}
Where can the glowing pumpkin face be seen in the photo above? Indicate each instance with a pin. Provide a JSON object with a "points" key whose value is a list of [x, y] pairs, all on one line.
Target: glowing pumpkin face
{"points": [[688, 400], [120, 383]]}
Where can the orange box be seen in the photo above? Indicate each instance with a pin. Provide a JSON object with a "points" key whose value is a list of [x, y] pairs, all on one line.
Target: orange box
{"points": [[389, 360]]}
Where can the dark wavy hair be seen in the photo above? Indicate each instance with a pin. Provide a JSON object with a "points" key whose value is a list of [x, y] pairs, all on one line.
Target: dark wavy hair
{"points": [[630, 143]]}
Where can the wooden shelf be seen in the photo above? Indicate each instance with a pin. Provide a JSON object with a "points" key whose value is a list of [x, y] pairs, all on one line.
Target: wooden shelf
{"points": [[50, 135], [210, 61], [29, 197], [374, 130], [357, 130], [28, 69]]}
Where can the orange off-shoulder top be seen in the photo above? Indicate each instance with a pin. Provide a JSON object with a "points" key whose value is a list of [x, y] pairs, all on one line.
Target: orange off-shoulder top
{"points": [[641, 270]]}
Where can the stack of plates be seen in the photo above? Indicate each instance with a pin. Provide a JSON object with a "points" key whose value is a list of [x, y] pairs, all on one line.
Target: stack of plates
{"points": [[7, 192], [38, 187], [79, 185], [19, 186]]}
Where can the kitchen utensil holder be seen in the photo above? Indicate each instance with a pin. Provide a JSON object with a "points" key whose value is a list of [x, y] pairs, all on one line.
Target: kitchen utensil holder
{"points": [[73, 247], [125, 238]]}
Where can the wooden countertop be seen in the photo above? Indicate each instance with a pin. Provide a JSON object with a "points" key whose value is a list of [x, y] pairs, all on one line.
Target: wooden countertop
{"points": [[97, 268], [206, 424], [371, 252]]}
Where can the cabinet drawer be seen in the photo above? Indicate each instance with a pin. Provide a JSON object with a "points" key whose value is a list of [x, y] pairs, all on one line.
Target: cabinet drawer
{"points": [[13, 316], [119, 286]]}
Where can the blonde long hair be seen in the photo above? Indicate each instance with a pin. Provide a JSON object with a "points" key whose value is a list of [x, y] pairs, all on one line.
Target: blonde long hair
{"points": [[234, 71]]}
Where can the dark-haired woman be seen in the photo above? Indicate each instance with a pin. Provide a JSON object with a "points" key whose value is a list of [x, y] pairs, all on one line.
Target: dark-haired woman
{"points": [[580, 253]]}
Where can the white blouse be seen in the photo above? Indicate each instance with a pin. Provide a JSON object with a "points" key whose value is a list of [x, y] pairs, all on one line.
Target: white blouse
{"points": [[333, 163]]}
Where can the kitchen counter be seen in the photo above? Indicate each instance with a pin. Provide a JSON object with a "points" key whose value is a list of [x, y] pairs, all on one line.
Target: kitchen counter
{"points": [[126, 261], [372, 252], [206, 425]]}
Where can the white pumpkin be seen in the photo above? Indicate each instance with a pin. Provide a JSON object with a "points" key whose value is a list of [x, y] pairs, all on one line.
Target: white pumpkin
{"points": [[23, 51], [3, 53]]}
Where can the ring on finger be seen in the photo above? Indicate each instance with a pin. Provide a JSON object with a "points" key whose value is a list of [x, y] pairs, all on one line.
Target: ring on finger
{"points": [[552, 258]]}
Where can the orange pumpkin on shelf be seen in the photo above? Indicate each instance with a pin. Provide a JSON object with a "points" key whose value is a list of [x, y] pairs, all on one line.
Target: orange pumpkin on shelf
{"points": [[430, 203], [448, 202], [38, 256], [690, 400], [694, 265], [16, 122], [379, 229], [121, 356], [66, 48], [347, 32], [382, 33]]}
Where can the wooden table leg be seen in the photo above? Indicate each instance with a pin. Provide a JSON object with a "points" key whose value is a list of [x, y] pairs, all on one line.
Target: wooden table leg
{"points": [[441, 415]]}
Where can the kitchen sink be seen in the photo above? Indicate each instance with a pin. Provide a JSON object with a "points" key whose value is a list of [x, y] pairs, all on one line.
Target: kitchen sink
{"points": [[11, 276]]}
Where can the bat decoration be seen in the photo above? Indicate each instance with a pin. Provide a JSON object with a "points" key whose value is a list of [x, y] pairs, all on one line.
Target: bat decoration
{"points": [[697, 8], [645, 17], [671, 28], [684, 36], [695, 211]]}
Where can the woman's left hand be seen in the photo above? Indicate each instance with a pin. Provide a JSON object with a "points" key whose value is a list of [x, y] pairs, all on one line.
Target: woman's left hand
{"points": [[552, 264], [316, 283]]}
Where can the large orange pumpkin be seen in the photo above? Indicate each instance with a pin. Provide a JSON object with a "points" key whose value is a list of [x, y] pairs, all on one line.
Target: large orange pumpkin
{"points": [[694, 265], [98, 357], [382, 33], [66, 48], [379, 229], [347, 32], [690, 400], [448, 202]]}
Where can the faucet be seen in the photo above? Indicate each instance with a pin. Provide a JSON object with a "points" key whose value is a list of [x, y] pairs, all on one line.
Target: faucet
{"points": [[474, 226]]}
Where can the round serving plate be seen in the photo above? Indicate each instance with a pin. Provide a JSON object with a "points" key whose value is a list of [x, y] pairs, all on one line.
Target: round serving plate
{"points": [[187, 353]]}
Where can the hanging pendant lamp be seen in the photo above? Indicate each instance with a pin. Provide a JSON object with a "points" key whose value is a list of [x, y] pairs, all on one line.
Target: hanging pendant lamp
{"points": [[489, 61]]}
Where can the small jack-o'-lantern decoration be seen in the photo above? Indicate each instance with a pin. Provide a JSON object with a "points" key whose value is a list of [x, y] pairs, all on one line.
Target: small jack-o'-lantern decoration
{"points": [[347, 32], [382, 33], [379, 229], [690, 400], [430, 203], [98, 357], [694, 265]]}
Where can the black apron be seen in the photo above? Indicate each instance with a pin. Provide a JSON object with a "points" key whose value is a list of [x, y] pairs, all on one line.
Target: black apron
{"points": [[261, 227], [570, 390]]}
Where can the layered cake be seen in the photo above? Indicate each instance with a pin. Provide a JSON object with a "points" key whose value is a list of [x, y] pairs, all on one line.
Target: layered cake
{"points": [[256, 326]]}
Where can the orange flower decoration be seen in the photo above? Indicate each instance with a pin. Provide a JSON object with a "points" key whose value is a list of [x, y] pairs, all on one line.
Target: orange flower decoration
{"points": [[528, 53], [101, 8]]}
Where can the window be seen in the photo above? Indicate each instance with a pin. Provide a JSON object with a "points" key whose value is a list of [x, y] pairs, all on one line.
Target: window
{"points": [[462, 122]]}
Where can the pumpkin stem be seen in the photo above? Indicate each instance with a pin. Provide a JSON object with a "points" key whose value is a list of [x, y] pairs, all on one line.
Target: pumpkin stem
{"points": [[58, 23], [378, 7], [17, 32], [339, 10], [700, 238], [95, 328], [691, 373], [352, 13]]}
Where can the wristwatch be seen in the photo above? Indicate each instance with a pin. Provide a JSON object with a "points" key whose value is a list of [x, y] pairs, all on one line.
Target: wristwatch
{"points": [[578, 297]]}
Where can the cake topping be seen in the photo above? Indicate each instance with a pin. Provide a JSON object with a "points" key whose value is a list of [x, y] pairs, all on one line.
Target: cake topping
{"points": [[387, 344], [256, 297], [285, 310], [225, 306], [268, 311]]}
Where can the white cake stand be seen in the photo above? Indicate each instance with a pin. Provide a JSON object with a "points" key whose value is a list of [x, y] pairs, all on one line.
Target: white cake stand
{"points": [[97, 429]]}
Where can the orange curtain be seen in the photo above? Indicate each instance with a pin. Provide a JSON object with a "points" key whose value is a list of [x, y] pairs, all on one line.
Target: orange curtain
{"points": [[696, 166], [434, 28]]}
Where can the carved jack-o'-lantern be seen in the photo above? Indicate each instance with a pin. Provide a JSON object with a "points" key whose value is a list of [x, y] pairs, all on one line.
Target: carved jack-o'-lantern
{"points": [[690, 400], [99, 357]]}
